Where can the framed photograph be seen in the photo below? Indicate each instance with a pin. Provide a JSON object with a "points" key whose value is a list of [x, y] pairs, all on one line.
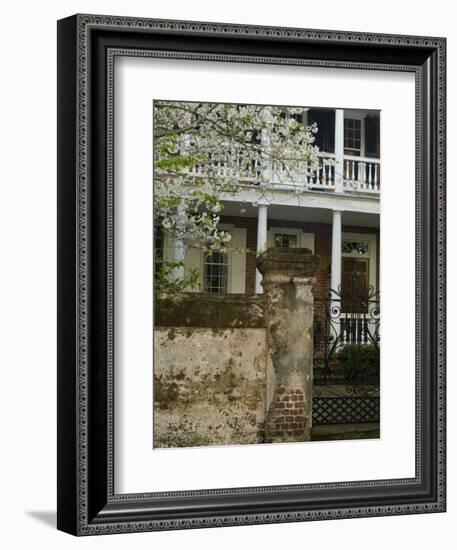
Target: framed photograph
{"points": [[251, 274]]}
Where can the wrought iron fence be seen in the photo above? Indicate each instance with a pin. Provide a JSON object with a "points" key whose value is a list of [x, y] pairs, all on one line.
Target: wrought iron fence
{"points": [[351, 319], [346, 357]]}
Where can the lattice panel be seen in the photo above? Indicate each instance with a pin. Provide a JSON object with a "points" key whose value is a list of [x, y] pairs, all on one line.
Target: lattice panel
{"points": [[345, 410]]}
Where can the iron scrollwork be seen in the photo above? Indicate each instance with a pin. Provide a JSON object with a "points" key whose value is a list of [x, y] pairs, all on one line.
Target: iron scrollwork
{"points": [[346, 356]]}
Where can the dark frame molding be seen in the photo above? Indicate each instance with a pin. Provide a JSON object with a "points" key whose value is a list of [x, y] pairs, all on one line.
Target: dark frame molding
{"points": [[87, 46]]}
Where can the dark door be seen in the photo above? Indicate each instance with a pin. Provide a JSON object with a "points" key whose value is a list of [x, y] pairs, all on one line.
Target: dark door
{"points": [[354, 285]]}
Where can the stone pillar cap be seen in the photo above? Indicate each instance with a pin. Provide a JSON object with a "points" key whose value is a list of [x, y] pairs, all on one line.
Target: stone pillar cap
{"points": [[292, 262]]}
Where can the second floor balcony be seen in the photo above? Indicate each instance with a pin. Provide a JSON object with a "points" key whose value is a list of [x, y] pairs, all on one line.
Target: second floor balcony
{"points": [[355, 174], [349, 159]]}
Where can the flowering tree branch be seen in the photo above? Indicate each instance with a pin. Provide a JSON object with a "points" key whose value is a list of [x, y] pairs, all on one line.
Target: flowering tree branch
{"points": [[204, 151]]}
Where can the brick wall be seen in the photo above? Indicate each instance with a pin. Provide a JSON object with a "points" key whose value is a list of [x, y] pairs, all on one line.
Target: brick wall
{"points": [[287, 414]]}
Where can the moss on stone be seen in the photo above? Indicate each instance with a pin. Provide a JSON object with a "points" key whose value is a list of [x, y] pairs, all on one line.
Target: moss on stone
{"points": [[194, 309]]}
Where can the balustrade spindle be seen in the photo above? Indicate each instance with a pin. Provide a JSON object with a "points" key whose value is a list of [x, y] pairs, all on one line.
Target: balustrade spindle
{"points": [[318, 177], [362, 174], [307, 174], [358, 172]]}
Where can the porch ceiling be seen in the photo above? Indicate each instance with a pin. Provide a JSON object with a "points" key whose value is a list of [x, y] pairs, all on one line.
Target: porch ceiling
{"points": [[300, 213]]}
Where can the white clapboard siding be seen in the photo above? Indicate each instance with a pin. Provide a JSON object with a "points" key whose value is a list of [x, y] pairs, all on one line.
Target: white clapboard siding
{"points": [[168, 247], [307, 241], [238, 261]]}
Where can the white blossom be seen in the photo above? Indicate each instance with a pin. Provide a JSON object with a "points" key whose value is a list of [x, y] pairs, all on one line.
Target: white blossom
{"points": [[204, 151]]}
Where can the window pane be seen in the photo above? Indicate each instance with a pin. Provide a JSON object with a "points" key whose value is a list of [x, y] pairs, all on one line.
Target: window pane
{"points": [[215, 276], [285, 240], [352, 134], [355, 247]]}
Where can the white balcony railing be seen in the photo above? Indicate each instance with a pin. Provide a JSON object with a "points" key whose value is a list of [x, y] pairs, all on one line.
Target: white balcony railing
{"points": [[362, 174], [358, 174], [236, 163], [320, 178]]}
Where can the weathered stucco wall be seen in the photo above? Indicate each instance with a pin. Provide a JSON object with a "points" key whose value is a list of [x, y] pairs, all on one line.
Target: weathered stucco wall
{"points": [[210, 374], [287, 282], [237, 369]]}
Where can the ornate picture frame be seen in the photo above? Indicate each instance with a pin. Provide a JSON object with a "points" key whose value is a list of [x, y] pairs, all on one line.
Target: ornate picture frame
{"points": [[87, 501]]}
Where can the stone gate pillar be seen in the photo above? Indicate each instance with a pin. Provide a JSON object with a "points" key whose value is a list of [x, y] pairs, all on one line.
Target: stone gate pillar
{"points": [[287, 282]]}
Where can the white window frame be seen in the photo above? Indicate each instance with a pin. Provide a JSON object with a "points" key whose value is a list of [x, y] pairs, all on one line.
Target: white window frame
{"points": [[229, 272], [224, 227], [302, 236], [371, 239], [231, 284], [349, 115]]}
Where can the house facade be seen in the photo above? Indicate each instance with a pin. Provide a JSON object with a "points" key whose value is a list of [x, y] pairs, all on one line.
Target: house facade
{"points": [[334, 211]]}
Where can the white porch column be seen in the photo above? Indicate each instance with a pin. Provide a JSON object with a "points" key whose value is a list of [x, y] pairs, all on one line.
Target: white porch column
{"points": [[336, 251], [178, 247], [339, 149], [262, 212]]}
